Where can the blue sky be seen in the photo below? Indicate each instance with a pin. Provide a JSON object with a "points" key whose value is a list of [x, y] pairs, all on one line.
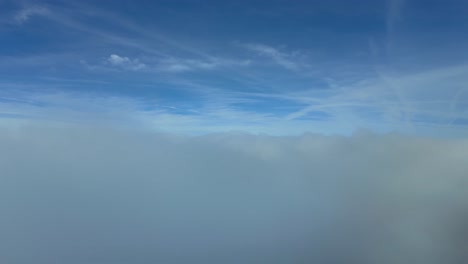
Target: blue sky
{"points": [[276, 67]]}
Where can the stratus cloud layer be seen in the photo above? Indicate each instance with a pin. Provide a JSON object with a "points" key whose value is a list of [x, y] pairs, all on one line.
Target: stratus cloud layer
{"points": [[94, 195]]}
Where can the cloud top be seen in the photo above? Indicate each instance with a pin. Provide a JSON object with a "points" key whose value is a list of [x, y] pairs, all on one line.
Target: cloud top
{"points": [[95, 195]]}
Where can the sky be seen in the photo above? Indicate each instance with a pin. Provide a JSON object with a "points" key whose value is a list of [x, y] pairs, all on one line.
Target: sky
{"points": [[273, 67], [237, 132]]}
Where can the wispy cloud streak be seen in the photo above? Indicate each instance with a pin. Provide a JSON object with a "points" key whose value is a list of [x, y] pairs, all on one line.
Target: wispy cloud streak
{"points": [[27, 13], [285, 60]]}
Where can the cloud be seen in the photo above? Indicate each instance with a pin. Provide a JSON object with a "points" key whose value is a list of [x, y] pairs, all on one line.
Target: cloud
{"points": [[220, 111], [283, 59], [25, 14], [125, 63], [173, 64], [170, 64], [393, 14], [181, 65], [100, 195], [120, 111], [416, 100]]}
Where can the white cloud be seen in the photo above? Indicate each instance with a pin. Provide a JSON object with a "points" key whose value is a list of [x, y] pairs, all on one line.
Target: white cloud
{"points": [[181, 65], [26, 13], [171, 64], [229, 198], [283, 59], [117, 60], [125, 63]]}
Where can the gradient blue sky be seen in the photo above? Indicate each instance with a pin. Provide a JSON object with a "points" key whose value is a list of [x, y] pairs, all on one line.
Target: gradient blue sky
{"points": [[276, 67]]}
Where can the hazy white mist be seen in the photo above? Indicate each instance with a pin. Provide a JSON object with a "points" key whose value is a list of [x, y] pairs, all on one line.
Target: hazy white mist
{"points": [[88, 195]]}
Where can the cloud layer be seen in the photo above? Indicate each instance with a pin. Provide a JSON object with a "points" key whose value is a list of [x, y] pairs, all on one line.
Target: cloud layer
{"points": [[77, 194]]}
